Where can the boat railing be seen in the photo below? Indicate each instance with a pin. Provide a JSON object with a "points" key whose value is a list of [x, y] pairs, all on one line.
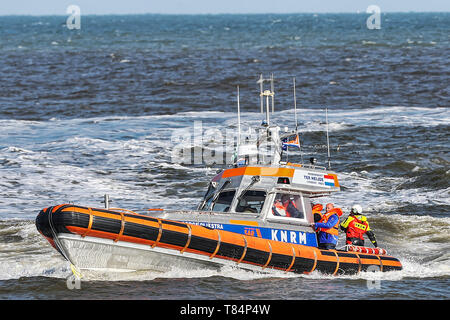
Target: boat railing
{"points": [[312, 166]]}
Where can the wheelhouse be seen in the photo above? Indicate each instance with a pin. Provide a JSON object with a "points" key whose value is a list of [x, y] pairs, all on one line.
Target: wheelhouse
{"points": [[281, 195]]}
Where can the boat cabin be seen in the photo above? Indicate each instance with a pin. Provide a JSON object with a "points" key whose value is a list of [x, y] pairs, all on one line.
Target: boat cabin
{"points": [[271, 193]]}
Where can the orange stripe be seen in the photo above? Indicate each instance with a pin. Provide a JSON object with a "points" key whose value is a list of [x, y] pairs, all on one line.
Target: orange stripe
{"points": [[57, 207], [108, 235], [259, 171], [268, 246], [244, 222], [391, 263]]}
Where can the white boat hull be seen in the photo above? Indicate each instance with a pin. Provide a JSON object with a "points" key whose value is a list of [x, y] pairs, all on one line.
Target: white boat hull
{"points": [[89, 253]]}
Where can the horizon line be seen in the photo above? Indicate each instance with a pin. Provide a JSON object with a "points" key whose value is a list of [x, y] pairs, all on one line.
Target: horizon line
{"points": [[205, 14]]}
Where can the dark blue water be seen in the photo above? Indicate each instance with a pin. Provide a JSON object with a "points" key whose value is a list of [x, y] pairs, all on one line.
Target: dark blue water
{"points": [[92, 111], [157, 64]]}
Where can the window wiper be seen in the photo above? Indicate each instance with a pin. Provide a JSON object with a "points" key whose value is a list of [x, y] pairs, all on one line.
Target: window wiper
{"points": [[255, 179], [211, 188], [226, 183]]}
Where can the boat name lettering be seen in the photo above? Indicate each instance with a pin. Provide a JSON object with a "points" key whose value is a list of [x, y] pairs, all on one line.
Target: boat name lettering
{"points": [[254, 232], [206, 224], [296, 237], [309, 178], [313, 177], [211, 225]]}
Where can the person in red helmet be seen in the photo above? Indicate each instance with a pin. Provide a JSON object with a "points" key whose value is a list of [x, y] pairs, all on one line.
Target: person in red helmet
{"points": [[355, 226]]}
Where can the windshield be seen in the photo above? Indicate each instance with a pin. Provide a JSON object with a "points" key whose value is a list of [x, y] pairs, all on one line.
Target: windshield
{"points": [[223, 202], [251, 201]]}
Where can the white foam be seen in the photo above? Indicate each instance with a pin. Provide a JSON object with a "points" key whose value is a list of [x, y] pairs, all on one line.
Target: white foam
{"points": [[52, 164], [30, 257]]}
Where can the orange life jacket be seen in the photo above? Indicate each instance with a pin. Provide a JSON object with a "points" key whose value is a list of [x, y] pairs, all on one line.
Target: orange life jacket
{"points": [[280, 208], [317, 208], [334, 230], [317, 212], [286, 205]]}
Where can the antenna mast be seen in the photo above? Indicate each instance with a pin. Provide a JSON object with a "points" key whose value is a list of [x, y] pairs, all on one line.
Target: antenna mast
{"points": [[328, 139], [296, 119], [295, 106], [266, 93], [261, 81], [239, 118], [272, 89]]}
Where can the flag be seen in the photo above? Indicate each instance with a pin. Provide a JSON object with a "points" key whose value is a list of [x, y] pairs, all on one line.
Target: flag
{"points": [[329, 180], [291, 141]]}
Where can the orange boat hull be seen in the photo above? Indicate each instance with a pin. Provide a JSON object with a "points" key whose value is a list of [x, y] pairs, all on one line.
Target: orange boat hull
{"points": [[211, 244]]}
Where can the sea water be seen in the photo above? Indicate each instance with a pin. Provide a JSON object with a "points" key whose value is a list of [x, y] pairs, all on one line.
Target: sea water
{"points": [[93, 111]]}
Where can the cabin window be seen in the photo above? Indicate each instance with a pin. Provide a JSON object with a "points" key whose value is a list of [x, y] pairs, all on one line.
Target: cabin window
{"points": [[207, 199], [288, 205], [252, 201], [207, 204], [223, 201]]}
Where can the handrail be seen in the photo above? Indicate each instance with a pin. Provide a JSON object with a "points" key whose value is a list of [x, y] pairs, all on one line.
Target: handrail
{"points": [[91, 220], [188, 239], [218, 245], [244, 252], [122, 226], [270, 256], [159, 233], [293, 259]]}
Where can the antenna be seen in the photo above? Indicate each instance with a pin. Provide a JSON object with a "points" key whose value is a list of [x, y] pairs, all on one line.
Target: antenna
{"points": [[328, 139], [261, 81], [266, 93], [272, 89], [239, 118], [295, 106], [296, 119]]}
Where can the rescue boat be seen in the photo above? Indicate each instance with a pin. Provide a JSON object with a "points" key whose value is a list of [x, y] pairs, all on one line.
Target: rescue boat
{"points": [[237, 223]]}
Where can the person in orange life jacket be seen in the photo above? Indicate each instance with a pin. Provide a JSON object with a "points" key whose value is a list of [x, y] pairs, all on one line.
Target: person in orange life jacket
{"points": [[292, 205], [327, 227], [317, 211], [286, 207], [278, 208], [355, 226]]}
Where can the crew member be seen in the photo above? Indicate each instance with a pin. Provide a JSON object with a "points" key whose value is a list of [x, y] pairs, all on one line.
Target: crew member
{"points": [[317, 211], [286, 207], [291, 206], [278, 208], [355, 226], [327, 228]]}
